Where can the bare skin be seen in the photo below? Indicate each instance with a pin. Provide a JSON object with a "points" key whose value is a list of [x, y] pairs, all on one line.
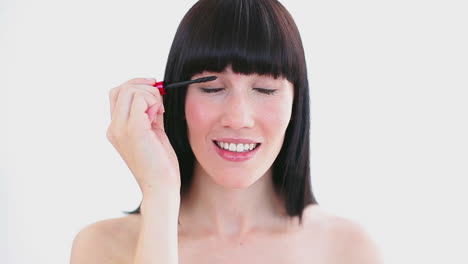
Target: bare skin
{"points": [[323, 238], [229, 215]]}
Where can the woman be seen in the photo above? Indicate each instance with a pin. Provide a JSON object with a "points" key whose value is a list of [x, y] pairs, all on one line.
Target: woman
{"points": [[225, 171]]}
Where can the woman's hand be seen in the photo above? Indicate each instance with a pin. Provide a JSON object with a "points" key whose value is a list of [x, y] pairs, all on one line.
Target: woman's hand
{"points": [[137, 132]]}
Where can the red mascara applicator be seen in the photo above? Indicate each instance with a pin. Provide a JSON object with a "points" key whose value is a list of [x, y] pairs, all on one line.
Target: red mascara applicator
{"points": [[161, 85]]}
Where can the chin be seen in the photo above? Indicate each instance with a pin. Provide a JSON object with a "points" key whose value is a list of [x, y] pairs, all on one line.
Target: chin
{"points": [[233, 181]]}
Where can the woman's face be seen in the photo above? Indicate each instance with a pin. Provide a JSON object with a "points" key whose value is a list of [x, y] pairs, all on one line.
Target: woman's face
{"points": [[237, 112]]}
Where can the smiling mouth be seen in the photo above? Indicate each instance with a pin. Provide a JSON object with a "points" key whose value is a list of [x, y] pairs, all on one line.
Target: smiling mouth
{"points": [[236, 148]]}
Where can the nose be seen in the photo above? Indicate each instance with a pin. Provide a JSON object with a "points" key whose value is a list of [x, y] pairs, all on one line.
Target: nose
{"points": [[238, 112]]}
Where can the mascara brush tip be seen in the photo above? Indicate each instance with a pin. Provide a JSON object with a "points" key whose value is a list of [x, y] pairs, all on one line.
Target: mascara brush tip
{"points": [[206, 79]]}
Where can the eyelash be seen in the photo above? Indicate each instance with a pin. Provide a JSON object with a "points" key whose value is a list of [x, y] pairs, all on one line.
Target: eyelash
{"points": [[264, 91]]}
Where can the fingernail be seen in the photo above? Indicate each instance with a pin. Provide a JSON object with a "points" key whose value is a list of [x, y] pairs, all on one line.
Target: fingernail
{"points": [[151, 79]]}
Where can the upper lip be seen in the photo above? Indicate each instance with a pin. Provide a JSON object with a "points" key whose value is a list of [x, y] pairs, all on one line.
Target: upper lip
{"points": [[237, 140]]}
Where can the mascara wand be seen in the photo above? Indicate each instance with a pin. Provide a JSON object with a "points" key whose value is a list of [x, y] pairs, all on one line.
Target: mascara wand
{"points": [[161, 86]]}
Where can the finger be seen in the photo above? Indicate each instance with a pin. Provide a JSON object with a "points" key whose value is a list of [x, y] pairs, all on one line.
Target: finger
{"points": [[154, 117], [115, 91], [121, 111], [151, 89], [138, 118], [158, 121], [147, 81]]}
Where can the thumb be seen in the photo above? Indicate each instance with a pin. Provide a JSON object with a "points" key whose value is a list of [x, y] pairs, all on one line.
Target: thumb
{"points": [[151, 111], [157, 117]]}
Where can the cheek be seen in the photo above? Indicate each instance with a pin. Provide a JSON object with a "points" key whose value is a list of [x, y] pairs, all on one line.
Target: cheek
{"points": [[198, 114], [277, 114]]}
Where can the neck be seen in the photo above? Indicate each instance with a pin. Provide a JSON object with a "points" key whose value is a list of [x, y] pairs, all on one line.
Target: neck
{"points": [[212, 210]]}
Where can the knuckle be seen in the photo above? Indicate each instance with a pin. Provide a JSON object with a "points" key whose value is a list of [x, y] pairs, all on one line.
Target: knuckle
{"points": [[132, 89], [112, 135], [138, 95], [125, 90]]}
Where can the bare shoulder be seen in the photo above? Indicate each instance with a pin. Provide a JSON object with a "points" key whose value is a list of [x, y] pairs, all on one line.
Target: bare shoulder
{"points": [[106, 241], [347, 240]]}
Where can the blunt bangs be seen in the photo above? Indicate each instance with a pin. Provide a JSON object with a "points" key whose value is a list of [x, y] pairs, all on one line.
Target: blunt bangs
{"points": [[251, 36]]}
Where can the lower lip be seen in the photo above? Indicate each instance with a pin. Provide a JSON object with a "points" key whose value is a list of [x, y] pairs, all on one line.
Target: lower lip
{"points": [[234, 156]]}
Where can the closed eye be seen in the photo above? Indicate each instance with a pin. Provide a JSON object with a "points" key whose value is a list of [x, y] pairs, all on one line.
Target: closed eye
{"points": [[205, 90], [266, 91], [261, 90]]}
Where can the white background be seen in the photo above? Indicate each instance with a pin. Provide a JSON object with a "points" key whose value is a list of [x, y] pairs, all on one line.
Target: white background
{"points": [[388, 81]]}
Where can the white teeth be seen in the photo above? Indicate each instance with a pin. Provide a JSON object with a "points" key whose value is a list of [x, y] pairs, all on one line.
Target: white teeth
{"points": [[226, 146], [240, 148], [232, 147], [236, 148]]}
